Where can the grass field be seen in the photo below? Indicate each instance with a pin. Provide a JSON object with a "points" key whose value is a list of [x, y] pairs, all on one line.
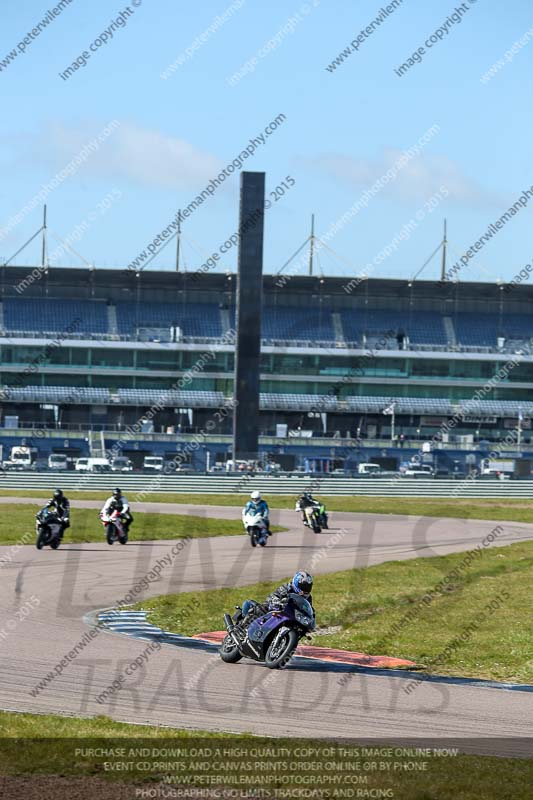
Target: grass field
{"points": [[17, 522], [40, 746], [513, 510], [365, 605]]}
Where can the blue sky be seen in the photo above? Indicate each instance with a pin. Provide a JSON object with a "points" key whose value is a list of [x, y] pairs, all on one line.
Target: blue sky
{"points": [[343, 129]]}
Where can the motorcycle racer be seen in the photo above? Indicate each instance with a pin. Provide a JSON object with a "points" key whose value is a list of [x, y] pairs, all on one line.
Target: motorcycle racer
{"points": [[302, 584], [256, 505], [306, 500], [117, 502], [62, 507]]}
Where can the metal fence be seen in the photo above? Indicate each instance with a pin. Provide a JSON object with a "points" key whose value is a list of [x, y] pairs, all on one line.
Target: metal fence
{"points": [[268, 484]]}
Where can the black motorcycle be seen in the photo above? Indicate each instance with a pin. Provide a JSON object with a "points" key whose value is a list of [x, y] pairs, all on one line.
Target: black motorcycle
{"points": [[48, 527], [271, 638]]}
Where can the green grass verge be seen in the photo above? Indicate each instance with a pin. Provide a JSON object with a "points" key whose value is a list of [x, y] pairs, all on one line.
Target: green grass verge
{"points": [[52, 726], [35, 745], [513, 510], [368, 603], [17, 522]]}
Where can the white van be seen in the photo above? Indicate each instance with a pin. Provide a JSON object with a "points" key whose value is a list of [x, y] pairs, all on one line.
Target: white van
{"points": [[369, 469], [20, 457], [153, 463], [57, 461], [419, 471], [92, 465]]}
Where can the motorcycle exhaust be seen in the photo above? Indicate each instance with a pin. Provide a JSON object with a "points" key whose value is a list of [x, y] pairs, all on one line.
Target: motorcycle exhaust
{"points": [[230, 627], [228, 622]]}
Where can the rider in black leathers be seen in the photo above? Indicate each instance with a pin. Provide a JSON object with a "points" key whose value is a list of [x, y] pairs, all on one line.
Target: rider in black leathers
{"points": [[62, 507]]}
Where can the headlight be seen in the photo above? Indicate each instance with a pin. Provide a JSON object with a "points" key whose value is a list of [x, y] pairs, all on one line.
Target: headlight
{"points": [[302, 618]]}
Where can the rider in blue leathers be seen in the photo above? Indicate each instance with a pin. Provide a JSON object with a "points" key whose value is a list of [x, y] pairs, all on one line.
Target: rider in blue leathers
{"points": [[256, 505]]}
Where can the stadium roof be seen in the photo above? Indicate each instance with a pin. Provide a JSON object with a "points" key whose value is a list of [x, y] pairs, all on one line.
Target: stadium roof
{"points": [[86, 282]]}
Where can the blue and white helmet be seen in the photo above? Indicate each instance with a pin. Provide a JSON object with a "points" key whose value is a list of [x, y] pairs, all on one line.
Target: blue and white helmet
{"points": [[255, 497], [303, 583]]}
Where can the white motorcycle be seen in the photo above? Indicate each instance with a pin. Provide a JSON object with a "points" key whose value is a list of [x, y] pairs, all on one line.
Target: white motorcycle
{"points": [[256, 528], [115, 529]]}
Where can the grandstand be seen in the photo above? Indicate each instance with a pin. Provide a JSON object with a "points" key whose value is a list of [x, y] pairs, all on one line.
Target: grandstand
{"points": [[332, 360]]}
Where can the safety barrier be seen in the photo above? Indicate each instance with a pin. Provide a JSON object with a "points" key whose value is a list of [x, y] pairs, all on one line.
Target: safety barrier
{"points": [[269, 484]]}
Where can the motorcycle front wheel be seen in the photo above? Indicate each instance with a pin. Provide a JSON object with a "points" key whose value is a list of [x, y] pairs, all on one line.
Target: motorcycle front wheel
{"points": [[41, 539], [229, 652], [280, 650], [110, 534], [253, 536]]}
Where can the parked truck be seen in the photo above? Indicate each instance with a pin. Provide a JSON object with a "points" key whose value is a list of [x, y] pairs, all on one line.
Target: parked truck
{"points": [[507, 468]]}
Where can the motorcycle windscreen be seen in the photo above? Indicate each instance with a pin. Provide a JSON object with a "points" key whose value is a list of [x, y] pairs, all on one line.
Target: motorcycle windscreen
{"points": [[303, 605], [50, 517]]}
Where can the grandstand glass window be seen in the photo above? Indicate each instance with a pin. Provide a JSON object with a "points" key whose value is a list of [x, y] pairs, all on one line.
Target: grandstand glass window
{"points": [[79, 356], [521, 373], [20, 355], [292, 387], [197, 385], [287, 364], [523, 395], [156, 359], [430, 368], [221, 362], [140, 382], [473, 370], [60, 379], [23, 355], [111, 381], [382, 367], [112, 358], [60, 356]]}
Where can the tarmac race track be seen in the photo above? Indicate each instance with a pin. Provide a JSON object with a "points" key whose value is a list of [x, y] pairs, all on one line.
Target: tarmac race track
{"points": [[47, 598]]}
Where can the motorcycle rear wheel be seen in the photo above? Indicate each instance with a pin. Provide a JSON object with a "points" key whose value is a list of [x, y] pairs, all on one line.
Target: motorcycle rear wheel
{"points": [[279, 656], [55, 544], [123, 539], [229, 652]]}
